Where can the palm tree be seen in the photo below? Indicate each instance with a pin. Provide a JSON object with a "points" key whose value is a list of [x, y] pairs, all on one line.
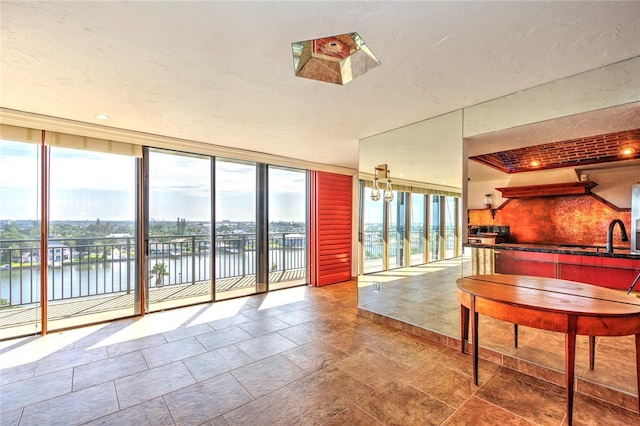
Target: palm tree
{"points": [[159, 270]]}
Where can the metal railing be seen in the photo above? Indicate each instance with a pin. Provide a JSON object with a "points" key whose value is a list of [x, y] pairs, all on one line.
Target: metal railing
{"points": [[374, 243], [85, 267]]}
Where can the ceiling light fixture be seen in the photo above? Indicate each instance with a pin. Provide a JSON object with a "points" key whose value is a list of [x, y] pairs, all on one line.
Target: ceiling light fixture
{"points": [[335, 59], [102, 116], [627, 150], [382, 172], [534, 163]]}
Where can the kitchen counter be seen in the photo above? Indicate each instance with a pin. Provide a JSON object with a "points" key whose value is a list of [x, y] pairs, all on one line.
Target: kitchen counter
{"points": [[585, 264], [599, 251]]}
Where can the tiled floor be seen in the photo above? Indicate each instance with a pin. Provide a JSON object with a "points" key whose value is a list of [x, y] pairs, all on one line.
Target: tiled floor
{"points": [[293, 357]]}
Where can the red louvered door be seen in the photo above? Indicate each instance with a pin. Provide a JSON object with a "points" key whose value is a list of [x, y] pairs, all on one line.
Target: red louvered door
{"points": [[330, 247]]}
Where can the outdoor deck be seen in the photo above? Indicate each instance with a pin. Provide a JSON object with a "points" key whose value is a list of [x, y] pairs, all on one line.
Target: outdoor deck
{"points": [[70, 313]]}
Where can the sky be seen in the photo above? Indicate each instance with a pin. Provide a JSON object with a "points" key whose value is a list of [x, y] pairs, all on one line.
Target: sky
{"points": [[87, 185]]}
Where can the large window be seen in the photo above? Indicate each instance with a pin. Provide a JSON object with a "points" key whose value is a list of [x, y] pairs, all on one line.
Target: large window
{"points": [[193, 228], [287, 227], [417, 234], [91, 245], [19, 238], [373, 235], [451, 227], [412, 229], [435, 228], [397, 227], [235, 245], [179, 230]]}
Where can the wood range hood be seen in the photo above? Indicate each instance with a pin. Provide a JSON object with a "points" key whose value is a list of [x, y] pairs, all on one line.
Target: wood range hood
{"points": [[546, 183], [565, 188]]}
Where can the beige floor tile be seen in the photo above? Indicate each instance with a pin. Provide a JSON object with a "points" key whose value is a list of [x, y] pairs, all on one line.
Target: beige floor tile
{"points": [[141, 387], [221, 338], [371, 367], [440, 382], [281, 407], [264, 346], [353, 416], [153, 412], [26, 392], [174, 351], [478, 412], [352, 341], [187, 331], [17, 373], [329, 391], [206, 400], [296, 317], [263, 326], [136, 344], [403, 405], [109, 369], [267, 375], [314, 356], [73, 408], [594, 412], [215, 362], [11, 418], [534, 399], [69, 358]]}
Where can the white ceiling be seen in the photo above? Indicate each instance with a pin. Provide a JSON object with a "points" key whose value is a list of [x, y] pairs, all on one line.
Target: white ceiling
{"points": [[222, 72]]}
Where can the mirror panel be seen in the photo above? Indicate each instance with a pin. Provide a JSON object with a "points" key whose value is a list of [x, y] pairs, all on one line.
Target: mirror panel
{"points": [[605, 87], [601, 101]]}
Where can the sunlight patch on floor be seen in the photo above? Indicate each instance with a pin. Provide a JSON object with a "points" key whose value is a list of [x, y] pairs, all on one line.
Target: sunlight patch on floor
{"points": [[283, 297]]}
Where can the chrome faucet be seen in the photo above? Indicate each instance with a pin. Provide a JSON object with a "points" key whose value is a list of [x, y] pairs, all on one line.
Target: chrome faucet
{"points": [[623, 234]]}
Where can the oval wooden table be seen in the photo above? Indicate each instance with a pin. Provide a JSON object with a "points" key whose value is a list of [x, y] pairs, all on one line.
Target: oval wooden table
{"points": [[549, 304]]}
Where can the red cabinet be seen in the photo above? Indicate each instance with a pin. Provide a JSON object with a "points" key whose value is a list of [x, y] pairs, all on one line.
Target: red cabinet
{"points": [[525, 263], [603, 271], [617, 273]]}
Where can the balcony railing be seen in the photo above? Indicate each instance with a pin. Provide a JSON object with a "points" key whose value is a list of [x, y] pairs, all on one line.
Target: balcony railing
{"points": [[86, 267], [374, 243]]}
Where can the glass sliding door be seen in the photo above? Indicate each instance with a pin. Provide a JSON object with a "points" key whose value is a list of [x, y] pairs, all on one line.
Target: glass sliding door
{"points": [[19, 238], [179, 245], [287, 227], [235, 228], [435, 228], [451, 219], [91, 245], [417, 236], [397, 226], [373, 236]]}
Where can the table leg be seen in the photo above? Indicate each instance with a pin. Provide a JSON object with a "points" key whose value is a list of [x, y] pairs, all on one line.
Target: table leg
{"points": [[592, 352], [464, 325], [515, 335], [474, 336], [638, 368], [570, 359]]}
